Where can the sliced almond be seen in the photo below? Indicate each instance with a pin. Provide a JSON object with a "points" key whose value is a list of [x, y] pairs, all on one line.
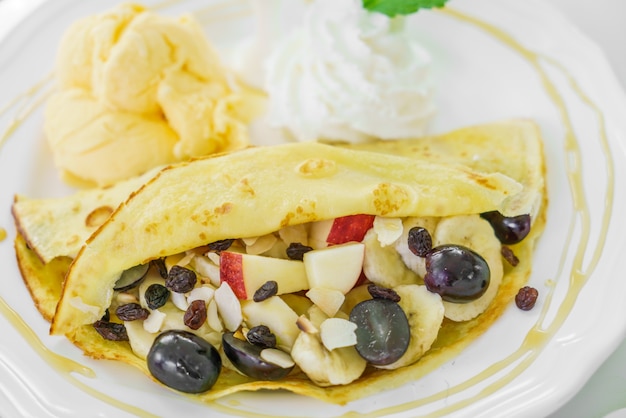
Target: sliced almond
{"points": [[214, 257], [212, 317], [208, 267], [179, 300], [294, 233], [388, 230], [123, 298], [337, 332], [228, 307], [154, 321], [277, 357], [249, 241], [186, 259], [261, 244], [306, 325], [204, 293]]}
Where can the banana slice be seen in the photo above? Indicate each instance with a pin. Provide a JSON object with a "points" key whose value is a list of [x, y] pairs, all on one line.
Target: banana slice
{"points": [[324, 367], [383, 265], [141, 340], [413, 262], [424, 310], [473, 232]]}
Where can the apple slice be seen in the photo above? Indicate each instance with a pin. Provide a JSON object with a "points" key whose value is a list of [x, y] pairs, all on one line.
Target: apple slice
{"points": [[276, 315], [328, 300], [340, 230], [246, 273], [337, 267]]}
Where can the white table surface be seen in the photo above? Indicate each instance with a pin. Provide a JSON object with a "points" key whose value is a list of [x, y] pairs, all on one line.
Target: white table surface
{"points": [[604, 22]]}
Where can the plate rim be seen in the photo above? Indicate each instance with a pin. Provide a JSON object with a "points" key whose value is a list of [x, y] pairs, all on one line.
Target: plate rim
{"points": [[616, 337]]}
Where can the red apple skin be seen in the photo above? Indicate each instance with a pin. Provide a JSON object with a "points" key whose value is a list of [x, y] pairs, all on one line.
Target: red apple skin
{"points": [[231, 272], [362, 279], [349, 228]]}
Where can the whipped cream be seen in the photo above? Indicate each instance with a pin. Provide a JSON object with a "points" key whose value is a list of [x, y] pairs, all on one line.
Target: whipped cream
{"points": [[349, 75], [273, 21]]}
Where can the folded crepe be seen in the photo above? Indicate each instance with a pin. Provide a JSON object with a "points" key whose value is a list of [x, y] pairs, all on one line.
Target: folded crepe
{"points": [[259, 191]]}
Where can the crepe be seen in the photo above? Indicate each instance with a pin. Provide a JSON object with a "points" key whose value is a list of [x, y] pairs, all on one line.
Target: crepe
{"points": [[510, 147], [260, 190], [488, 148], [57, 227]]}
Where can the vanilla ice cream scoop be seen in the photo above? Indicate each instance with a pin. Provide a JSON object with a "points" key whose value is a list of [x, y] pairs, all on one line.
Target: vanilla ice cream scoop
{"points": [[349, 75], [137, 90]]}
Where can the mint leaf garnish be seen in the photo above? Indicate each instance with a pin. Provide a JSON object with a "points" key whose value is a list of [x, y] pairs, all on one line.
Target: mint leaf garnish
{"points": [[401, 7]]}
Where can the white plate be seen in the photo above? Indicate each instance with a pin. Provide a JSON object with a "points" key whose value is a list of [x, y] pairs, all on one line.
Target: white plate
{"points": [[480, 77]]}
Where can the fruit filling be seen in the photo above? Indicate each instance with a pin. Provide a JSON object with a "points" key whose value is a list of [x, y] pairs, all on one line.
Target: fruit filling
{"points": [[328, 298]]}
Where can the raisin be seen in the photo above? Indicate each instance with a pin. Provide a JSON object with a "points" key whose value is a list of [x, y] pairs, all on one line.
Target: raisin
{"points": [[526, 298], [156, 295], [268, 289], [111, 331], [296, 250], [379, 292], [420, 242], [159, 264], [107, 316], [221, 245], [509, 255], [180, 279], [131, 312], [195, 315], [262, 336]]}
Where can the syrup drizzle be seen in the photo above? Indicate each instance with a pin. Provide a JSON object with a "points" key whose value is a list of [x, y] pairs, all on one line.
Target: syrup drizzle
{"points": [[538, 336], [63, 365], [541, 333], [24, 104]]}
